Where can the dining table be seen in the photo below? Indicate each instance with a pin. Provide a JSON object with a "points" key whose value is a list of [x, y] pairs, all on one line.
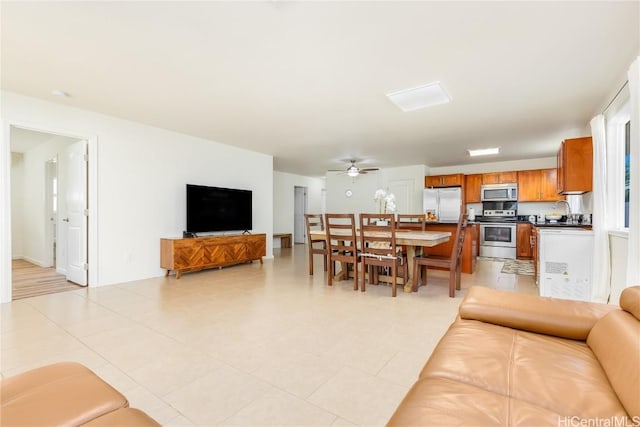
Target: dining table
{"points": [[411, 239]]}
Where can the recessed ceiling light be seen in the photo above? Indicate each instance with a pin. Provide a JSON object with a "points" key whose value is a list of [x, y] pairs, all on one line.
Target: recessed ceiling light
{"points": [[60, 93], [420, 97], [484, 151]]}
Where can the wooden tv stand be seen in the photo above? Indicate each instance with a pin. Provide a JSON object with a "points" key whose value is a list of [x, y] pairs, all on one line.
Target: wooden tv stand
{"points": [[199, 253]]}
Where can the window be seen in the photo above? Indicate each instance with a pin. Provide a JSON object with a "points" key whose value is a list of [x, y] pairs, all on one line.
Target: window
{"points": [[627, 166], [618, 135]]}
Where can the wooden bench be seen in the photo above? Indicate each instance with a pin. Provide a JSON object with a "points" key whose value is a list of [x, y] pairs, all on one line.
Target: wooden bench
{"points": [[285, 239]]}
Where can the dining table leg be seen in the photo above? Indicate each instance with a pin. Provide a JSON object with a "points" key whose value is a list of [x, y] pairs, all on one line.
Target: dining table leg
{"points": [[410, 286], [344, 272]]}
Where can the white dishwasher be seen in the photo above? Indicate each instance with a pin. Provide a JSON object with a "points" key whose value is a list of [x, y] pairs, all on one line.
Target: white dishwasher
{"points": [[565, 263]]}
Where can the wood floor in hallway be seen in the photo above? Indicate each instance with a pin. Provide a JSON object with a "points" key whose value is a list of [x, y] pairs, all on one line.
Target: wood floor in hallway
{"points": [[29, 280]]}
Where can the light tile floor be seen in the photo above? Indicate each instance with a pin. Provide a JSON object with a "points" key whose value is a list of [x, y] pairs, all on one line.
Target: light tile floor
{"points": [[248, 345]]}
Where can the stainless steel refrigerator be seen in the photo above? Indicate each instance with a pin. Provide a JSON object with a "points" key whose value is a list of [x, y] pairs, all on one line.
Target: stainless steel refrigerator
{"points": [[445, 203]]}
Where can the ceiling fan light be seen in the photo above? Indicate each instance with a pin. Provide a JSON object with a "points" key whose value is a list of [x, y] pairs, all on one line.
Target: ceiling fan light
{"points": [[353, 171]]}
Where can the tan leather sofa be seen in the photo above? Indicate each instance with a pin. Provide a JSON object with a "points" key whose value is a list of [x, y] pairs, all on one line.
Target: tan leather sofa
{"points": [[512, 359], [65, 394]]}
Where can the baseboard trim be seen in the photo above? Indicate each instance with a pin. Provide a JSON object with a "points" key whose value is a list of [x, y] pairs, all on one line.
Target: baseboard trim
{"points": [[35, 262]]}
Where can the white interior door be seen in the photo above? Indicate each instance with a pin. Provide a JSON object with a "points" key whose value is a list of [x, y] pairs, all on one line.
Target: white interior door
{"points": [[300, 208], [76, 220]]}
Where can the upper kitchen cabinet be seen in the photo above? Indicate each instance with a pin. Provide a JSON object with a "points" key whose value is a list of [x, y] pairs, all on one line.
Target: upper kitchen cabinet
{"points": [[538, 185], [500, 177], [575, 166], [472, 185], [452, 180]]}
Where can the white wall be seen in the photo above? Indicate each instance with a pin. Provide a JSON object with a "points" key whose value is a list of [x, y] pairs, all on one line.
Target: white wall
{"points": [[141, 177], [17, 192], [364, 187], [283, 199], [618, 250], [409, 177]]}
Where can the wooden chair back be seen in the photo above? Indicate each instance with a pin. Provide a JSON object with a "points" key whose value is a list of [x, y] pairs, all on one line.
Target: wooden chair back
{"points": [[377, 240], [458, 243], [314, 222], [342, 243], [411, 221], [378, 248], [316, 246], [453, 262]]}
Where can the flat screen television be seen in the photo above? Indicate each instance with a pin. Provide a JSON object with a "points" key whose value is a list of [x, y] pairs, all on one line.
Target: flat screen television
{"points": [[218, 209]]}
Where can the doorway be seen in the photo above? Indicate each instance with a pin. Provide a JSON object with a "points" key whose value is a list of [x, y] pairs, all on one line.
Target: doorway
{"points": [[48, 190], [299, 209]]}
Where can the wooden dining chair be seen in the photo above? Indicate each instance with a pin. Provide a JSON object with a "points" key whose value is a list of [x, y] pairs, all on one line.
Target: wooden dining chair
{"points": [[411, 221], [316, 246], [452, 262], [378, 249], [342, 245]]}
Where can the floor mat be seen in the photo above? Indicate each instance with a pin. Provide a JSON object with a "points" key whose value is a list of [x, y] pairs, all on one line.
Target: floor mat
{"points": [[518, 266], [513, 266]]}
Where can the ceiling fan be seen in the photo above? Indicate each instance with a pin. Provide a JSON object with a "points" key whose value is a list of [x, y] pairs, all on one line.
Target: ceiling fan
{"points": [[353, 170]]}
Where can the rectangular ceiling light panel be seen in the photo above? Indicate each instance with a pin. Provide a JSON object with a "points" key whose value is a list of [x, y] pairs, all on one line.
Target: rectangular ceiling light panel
{"points": [[484, 151], [420, 97]]}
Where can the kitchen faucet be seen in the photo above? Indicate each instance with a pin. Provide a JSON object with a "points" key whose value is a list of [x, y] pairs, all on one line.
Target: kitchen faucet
{"points": [[555, 205]]}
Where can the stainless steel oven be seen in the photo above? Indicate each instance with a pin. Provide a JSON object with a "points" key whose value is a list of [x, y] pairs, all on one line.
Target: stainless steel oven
{"points": [[498, 240]]}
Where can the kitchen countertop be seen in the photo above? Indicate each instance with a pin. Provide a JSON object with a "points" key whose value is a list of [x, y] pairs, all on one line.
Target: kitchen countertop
{"points": [[561, 224], [521, 220]]}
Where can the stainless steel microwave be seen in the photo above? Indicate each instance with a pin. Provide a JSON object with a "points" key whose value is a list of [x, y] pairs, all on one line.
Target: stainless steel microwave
{"points": [[499, 192]]}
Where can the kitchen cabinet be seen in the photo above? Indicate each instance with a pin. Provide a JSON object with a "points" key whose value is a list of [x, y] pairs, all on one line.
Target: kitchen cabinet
{"points": [[472, 185], [537, 185], [548, 185], [575, 166], [500, 177], [470, 248], [523, 241], [452, 180]]}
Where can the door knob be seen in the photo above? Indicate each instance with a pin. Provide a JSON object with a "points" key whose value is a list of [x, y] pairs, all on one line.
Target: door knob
{"points": [[65, 219]]}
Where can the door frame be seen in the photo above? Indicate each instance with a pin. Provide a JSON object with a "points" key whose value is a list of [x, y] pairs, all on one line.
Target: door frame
{"points": [[299, 189], [5, 218], [51, 218]]}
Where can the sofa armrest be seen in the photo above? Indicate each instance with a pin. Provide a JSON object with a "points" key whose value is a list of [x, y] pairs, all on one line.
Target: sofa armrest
{"points": [[561, 318]]}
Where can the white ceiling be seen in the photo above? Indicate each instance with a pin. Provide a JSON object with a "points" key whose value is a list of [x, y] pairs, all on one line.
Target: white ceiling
{"points": [[306, 81]]}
